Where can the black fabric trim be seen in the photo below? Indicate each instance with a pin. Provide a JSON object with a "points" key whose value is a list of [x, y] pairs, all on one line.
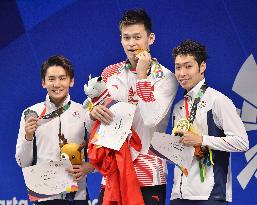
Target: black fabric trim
{"points": [[34, 159]]}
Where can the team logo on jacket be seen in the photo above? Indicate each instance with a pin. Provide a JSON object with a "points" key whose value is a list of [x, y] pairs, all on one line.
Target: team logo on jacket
{"points": [[145, 91], [132, 97], [246, 81], [115, 86], [76, 114]]}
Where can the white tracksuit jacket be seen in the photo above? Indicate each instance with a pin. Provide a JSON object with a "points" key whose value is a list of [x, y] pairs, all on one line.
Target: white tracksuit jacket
{"points": [[223, 131], [47, 140], [153, 98]]}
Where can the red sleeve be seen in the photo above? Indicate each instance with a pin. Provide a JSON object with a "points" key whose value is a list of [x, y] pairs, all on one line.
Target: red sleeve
{"points": [[111, 70]]}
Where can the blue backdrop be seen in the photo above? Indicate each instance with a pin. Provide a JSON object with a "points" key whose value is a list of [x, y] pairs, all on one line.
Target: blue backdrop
{"points": [[87, 33]]}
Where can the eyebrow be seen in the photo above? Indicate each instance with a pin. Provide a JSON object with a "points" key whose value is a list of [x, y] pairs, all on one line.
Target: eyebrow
{"points": [[183, 63], [53, 76], [134, 34]]}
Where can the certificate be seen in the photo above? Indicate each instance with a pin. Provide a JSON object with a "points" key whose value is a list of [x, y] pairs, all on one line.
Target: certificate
{"points": [[48, 179], [167, 146], [114, 135]]}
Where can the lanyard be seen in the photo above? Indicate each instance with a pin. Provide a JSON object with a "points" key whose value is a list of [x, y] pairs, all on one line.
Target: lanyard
{"points": [[156, 72], [186, 108], [58, 112], [191, 116], [204, 155], [42, 113]]}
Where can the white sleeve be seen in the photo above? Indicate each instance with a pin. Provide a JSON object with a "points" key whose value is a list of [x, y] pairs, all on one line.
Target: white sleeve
{"points": [[88, 121], [155, 100], [24, 148], [227, 118]]}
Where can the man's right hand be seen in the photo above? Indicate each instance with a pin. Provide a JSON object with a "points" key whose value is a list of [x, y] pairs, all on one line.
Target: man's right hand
{"points": [[30, 128], [101, 113]]}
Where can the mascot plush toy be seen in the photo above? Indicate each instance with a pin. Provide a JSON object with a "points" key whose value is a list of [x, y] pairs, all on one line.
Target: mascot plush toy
{"points": [[96, 92], [75, 154], [72, 151]]}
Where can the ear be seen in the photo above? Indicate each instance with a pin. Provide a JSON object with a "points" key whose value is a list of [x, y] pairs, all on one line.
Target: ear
{"points": [[202, 68], [89, 77], [71, 82], [43, 84], [151, 39], [82, 146], [99, 79]]}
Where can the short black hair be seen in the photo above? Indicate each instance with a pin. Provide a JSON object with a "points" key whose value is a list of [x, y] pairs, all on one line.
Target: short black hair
{"points": [[193, 48], [136, 16], [57, 60]]}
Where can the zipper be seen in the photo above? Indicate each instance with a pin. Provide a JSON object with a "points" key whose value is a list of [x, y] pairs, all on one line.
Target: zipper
{"points": [[180, 186]]}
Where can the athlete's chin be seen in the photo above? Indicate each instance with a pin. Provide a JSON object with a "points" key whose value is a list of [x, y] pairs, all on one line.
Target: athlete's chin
{"points": [[186, 87]]}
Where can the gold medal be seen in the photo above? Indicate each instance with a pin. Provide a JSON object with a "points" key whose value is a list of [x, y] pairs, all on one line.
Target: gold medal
{"points": [[136, 52], [182, 124]]}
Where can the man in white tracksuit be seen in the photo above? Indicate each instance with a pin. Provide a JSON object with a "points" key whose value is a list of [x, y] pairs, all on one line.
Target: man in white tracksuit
{"points": [[40, 142], [215, 128], [143, 81]]}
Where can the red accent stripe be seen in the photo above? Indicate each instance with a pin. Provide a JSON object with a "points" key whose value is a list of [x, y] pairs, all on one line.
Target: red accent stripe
{"points": [[111, 70], [156, 197], [43, 113], [186, 107], [97, 98], [145, 172]]}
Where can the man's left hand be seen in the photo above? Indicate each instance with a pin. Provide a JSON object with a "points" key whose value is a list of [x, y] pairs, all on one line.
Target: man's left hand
{"points": [[143, 63], [189, 138], [79, 171]]}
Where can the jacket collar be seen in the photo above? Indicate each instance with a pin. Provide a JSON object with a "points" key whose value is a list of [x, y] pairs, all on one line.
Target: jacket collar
{"points": [[192, 93], [51, 106]]}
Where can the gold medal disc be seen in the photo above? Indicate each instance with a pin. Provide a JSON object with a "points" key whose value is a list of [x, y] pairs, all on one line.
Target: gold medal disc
{"points": [[182, 124]]}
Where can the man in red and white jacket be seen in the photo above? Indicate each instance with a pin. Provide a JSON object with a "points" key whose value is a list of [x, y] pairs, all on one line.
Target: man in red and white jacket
{"points": [[143, 81]]}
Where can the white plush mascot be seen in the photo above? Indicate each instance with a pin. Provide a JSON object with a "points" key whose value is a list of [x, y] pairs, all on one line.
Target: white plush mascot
{"points": [[96, 91]]}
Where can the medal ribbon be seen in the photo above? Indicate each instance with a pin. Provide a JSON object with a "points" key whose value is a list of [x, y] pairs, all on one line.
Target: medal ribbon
{"points": [[42, 113], [186, 108], [198, 150], [57, 112], [198, 97], [154, 61]]}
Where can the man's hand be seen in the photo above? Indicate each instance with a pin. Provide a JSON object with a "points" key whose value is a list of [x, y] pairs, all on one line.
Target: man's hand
{"points": [[79, 171], [101, 113], [189, 138], [143, 63], [30, 128]]}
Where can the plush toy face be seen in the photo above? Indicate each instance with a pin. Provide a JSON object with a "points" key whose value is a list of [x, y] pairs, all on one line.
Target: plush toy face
{"points": [[71, 151], [95, 87]]}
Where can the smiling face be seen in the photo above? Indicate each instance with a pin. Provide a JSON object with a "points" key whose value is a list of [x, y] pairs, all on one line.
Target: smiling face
{"points": [[134, 37], [57, 84], [188, 72]]}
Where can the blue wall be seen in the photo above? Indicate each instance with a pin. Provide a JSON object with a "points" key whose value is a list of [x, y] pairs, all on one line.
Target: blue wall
{"points": [[87, 33]]}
